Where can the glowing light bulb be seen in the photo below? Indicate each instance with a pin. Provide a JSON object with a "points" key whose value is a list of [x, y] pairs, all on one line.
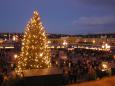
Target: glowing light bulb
{"points": [[41, 54]]}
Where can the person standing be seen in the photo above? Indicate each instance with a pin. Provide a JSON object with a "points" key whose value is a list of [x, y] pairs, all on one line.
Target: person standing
{"points": [[1, 79]]}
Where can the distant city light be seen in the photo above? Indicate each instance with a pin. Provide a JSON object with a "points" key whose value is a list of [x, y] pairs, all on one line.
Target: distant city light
{"points": [[49, 42], [9, 47], [65, 43], [1, 41], [15, 38], [106, 46], [1, 47], [93, 41]]}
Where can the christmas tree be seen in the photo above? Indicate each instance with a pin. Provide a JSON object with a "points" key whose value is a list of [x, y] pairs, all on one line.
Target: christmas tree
{"points": [[35, 53]]}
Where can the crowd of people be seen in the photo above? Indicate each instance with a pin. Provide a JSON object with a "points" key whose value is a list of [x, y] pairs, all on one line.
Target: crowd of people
{"points": [[84, 65], [77, 65], [5, 64]]}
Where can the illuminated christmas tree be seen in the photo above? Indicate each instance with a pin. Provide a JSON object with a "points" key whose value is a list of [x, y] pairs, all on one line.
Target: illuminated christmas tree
{"points": [[35, 53]]}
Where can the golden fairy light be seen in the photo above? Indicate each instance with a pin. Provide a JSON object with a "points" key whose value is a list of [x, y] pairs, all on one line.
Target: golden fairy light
{"points": [[35, 53]]}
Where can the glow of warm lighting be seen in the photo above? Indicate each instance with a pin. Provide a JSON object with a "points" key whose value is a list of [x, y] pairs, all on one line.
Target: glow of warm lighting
{"points": [[15, 56], [52, 47], [62, 47], [1, 47], [15, 38], [58, 46], [10, 47], [103, 46], [1, 41], [106, 46], [93, 41], [65, 43], [85, 40], [5, 39], [56, 62], [70, 48], [69, 65], [64, 57], [104, 66], [35, 52], [41, 54], [49, 42]]}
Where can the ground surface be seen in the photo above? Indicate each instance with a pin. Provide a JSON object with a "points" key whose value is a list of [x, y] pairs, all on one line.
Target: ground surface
{"points": [[103, 82]]}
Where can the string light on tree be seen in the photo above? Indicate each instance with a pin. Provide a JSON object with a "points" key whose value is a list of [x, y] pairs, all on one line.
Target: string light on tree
{"points": [[35, 53]]}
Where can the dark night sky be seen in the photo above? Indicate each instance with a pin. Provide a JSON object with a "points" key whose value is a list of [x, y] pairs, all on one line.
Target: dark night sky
{"points": [[60, 16]]}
